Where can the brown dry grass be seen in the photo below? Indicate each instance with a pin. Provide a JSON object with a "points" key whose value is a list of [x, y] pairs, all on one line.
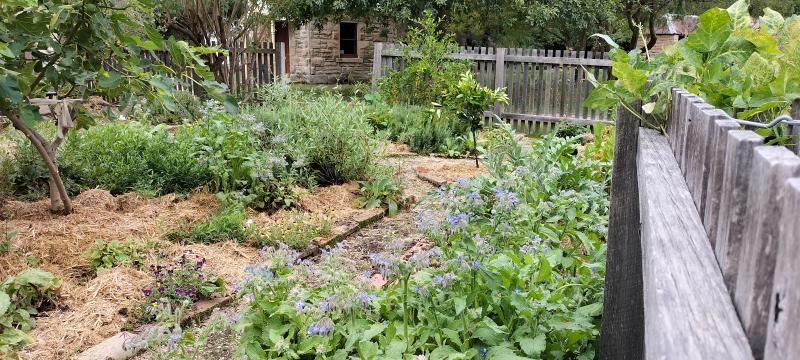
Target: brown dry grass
{"points": [[91, 309]]}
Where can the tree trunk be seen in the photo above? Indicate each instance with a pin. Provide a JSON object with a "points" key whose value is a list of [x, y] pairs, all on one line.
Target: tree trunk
{"points": [[59, 199]]}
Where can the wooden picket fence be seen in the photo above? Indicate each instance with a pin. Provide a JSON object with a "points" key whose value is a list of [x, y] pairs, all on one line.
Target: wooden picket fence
{"points": [[703, 241], [246, 66], [543, 86]]}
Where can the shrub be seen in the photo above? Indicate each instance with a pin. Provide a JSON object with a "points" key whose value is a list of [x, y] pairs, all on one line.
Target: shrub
{"points": [[123, 157], [22, 296], [115, 253], [176, 285], [428, 72], [567, 130], [330, 136], [297, 231]]}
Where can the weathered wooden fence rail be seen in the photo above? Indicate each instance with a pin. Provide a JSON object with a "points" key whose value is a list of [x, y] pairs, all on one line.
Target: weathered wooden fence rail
{"points": [[705, 265], [246, 66], [544, 86]]}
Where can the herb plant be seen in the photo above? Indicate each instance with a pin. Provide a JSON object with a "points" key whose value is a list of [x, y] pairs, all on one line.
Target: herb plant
{"points": [[380, 191]]}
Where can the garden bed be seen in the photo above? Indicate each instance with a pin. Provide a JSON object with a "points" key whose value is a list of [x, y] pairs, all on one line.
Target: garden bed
{"points": [[95, 307]]}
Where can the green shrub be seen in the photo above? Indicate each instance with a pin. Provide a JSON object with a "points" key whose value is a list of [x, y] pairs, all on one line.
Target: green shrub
{"points": [[123, 157], [177, 285], [329, 135], [567, 129], [22, 296], [25, 171], [225, 225], [428, 72], [106, 255]]}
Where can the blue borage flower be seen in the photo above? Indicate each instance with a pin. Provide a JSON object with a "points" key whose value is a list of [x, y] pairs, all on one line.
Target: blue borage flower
{"points": [[504, 199], [483, 351], [426, 220], [462, 182], [365, 299], [473, 195], [420, 291], [299, 305], [322, 327], [443, 281]]}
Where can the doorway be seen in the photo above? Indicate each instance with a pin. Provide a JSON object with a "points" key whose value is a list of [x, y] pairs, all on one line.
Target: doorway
{"points": [[282, 36]]}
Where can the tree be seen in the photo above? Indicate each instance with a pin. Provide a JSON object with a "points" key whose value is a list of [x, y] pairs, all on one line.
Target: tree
{"points": [[59, 45], [201, 22]]}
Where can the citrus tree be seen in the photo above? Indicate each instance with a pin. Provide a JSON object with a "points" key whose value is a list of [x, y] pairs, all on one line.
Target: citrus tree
{"points": [[61, 45], [468, 100]]}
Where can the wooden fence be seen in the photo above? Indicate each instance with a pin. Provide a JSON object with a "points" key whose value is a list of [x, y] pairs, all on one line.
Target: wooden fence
{"points": [[544, 86], [703, 241], [246, 66]]}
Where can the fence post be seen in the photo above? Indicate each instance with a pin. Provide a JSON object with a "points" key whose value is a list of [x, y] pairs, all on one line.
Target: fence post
{"points": [[622, 331], [795, 129], [376, 65], [280, 61], [499, 76]]}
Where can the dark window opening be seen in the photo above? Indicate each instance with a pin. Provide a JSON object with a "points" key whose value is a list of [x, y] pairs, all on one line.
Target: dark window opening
{"points": [[348, 39]]}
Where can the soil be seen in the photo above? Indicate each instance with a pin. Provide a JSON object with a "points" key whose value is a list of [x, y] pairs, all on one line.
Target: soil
{"points": [[92, 304]]}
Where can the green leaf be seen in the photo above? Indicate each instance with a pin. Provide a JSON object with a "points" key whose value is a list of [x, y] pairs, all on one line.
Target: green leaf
{"points": [[5, 51], [591, 310], [9, 89], [772, 21], [161, 83], [533, 346], [460, 304], [632, 80], [740, 16], [392, 208], [374, 330], [30, 115], [111, 80], [713, 29], [607, 39], [5, 302]]}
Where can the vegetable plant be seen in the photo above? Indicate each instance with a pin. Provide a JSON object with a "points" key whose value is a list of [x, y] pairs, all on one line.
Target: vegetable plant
{"points": [[380, 191], [750, 73], [115, 253], [22, 296]]}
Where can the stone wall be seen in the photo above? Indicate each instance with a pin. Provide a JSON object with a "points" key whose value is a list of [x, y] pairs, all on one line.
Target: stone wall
{"points": [[315, 53]]}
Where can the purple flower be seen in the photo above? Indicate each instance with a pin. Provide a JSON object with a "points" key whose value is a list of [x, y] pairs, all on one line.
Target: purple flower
{"points": [[322, 327], [504, 199], [420, 291], [443, 281], [299, 305], [458, 220], [365, 299], [473, 196], [475, 265], [483, 351], [147, 292], [462, 182]]}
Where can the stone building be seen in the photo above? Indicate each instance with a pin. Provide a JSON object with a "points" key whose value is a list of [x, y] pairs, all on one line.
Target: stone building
{"points": [[674, 29], [334, 53]]}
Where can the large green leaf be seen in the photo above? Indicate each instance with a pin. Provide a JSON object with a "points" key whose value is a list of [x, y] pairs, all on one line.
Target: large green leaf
{"points": [[740, 16], [713, 29], [772, 21], [629, 78], [533, 346]]}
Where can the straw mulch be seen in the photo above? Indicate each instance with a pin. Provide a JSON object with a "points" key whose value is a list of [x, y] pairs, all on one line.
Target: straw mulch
{"points": [[94, 308]]}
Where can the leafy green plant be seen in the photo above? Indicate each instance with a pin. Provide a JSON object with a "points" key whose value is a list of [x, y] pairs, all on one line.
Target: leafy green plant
{"points": [[174, 285], [428, 70], [8, 235], [71, 42], [468, 100], [22, 296], [297, 231], [374, 193], [226, 225], [114, 253], [751, 74], [517, 272]]}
